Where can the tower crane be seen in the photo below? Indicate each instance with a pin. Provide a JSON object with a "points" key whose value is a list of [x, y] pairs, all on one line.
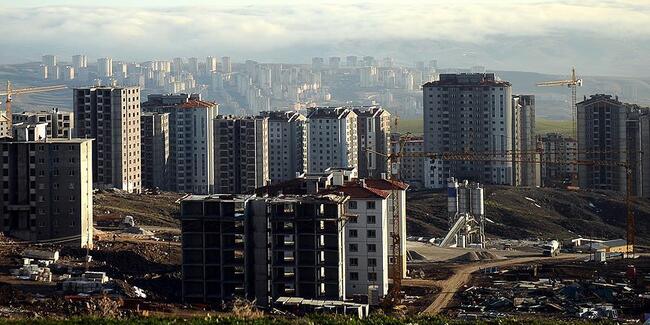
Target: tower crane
{"points": [[572, 83], [10, 91]]}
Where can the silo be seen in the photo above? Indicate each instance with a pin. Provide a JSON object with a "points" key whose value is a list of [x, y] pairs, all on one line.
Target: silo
{"points": [[478, 208], [452, 196]]}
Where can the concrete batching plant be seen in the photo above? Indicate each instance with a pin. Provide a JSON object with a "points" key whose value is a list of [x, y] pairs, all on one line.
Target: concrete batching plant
{"points": [[466, 215]]}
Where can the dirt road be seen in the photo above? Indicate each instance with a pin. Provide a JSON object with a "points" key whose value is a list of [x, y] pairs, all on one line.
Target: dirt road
{"points": [[463, 274]]}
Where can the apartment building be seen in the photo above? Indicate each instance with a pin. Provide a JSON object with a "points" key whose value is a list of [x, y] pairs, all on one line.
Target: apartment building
{"points": [[59, 124], [155, 133], [47, 190], [241, 147], [262, 248], [608, 130], [373, 135], [287, 149], [468, 113], [643, 141], [111, 116], [366, 258], [526, 166], [331, 138], [191, 140], [5, 126], [411, 169], [557, 154]]}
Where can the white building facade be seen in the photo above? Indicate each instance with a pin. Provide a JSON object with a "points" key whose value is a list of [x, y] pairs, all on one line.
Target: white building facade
{"points": [[331, 138]]}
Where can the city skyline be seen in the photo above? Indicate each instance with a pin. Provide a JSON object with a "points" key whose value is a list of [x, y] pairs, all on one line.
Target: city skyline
{"points": [[508, 36]]}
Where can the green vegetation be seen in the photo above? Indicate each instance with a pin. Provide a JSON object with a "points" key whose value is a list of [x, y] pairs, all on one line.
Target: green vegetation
{"points": [[311, 319], [404, 126], [542, 125]]}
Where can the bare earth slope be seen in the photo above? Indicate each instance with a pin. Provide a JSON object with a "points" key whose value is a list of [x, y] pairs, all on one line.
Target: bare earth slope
{"points": [[555, 213]]}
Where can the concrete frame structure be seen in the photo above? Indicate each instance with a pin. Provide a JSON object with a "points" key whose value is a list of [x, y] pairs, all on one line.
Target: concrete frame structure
{"points": [[111, 116], [411, 169], [557, 148], [468, 112], [262, 248], [60, 124], [47, 190]]}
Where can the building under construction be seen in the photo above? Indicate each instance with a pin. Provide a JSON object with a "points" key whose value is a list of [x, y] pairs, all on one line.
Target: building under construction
{"points": [[263, 248], [466, 215]]}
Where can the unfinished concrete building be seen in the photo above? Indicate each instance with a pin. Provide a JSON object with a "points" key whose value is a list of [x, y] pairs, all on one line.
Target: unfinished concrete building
{"points": [[47, 190], [373, 136], [262, 248], [557, 153], [60, 124], [411, 169]]}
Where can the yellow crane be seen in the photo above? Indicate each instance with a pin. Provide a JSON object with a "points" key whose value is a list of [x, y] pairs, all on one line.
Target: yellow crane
{"points": [[572, 83], [11, 92]]}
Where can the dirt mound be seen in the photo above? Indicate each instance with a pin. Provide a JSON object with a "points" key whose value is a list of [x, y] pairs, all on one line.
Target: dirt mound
{"points": [[476, 257]]}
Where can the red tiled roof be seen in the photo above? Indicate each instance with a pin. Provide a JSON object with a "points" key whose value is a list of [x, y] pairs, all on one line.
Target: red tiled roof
{"points": [[356, 191], [386, 184], [194, 103]]}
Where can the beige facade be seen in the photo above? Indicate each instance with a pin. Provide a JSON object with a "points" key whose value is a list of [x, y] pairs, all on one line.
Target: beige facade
{"points": [[111, 116], [47, 190]]}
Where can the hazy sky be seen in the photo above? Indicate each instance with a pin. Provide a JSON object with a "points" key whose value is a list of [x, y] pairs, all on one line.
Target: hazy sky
{"points": [[598, 36]]}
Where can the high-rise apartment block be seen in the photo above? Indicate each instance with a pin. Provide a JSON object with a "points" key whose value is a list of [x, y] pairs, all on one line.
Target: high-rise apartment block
{"points": [[104, 67], [191, 140], [154, 128], [60, 124], [263, 248], [373, 135], [111, 116], [287, 153], [468, 113], [241, 147], [49, 60], [79, 61], [608, 130], [526, 166], [47, 190], [331, 138]]}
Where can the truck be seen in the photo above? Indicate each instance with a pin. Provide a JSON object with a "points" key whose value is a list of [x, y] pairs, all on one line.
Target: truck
{"points": [[552, 248]]}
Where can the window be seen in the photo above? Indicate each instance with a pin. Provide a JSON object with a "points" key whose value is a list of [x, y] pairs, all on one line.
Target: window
{"points": [[352, 205], [372, 248], [354, 261], [372, 233], [372, 276], [353, 233], [372, 219], [354, 248], [354, 276], [372, 262], [370, 205], [353, 220]]}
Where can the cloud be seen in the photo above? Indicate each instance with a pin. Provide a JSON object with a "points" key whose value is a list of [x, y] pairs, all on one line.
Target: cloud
{"points": [[261, 29]]}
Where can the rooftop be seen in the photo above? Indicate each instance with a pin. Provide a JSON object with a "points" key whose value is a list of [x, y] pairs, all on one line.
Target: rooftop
{"points": [[329, 112], [468, 79], [197, 103]]}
